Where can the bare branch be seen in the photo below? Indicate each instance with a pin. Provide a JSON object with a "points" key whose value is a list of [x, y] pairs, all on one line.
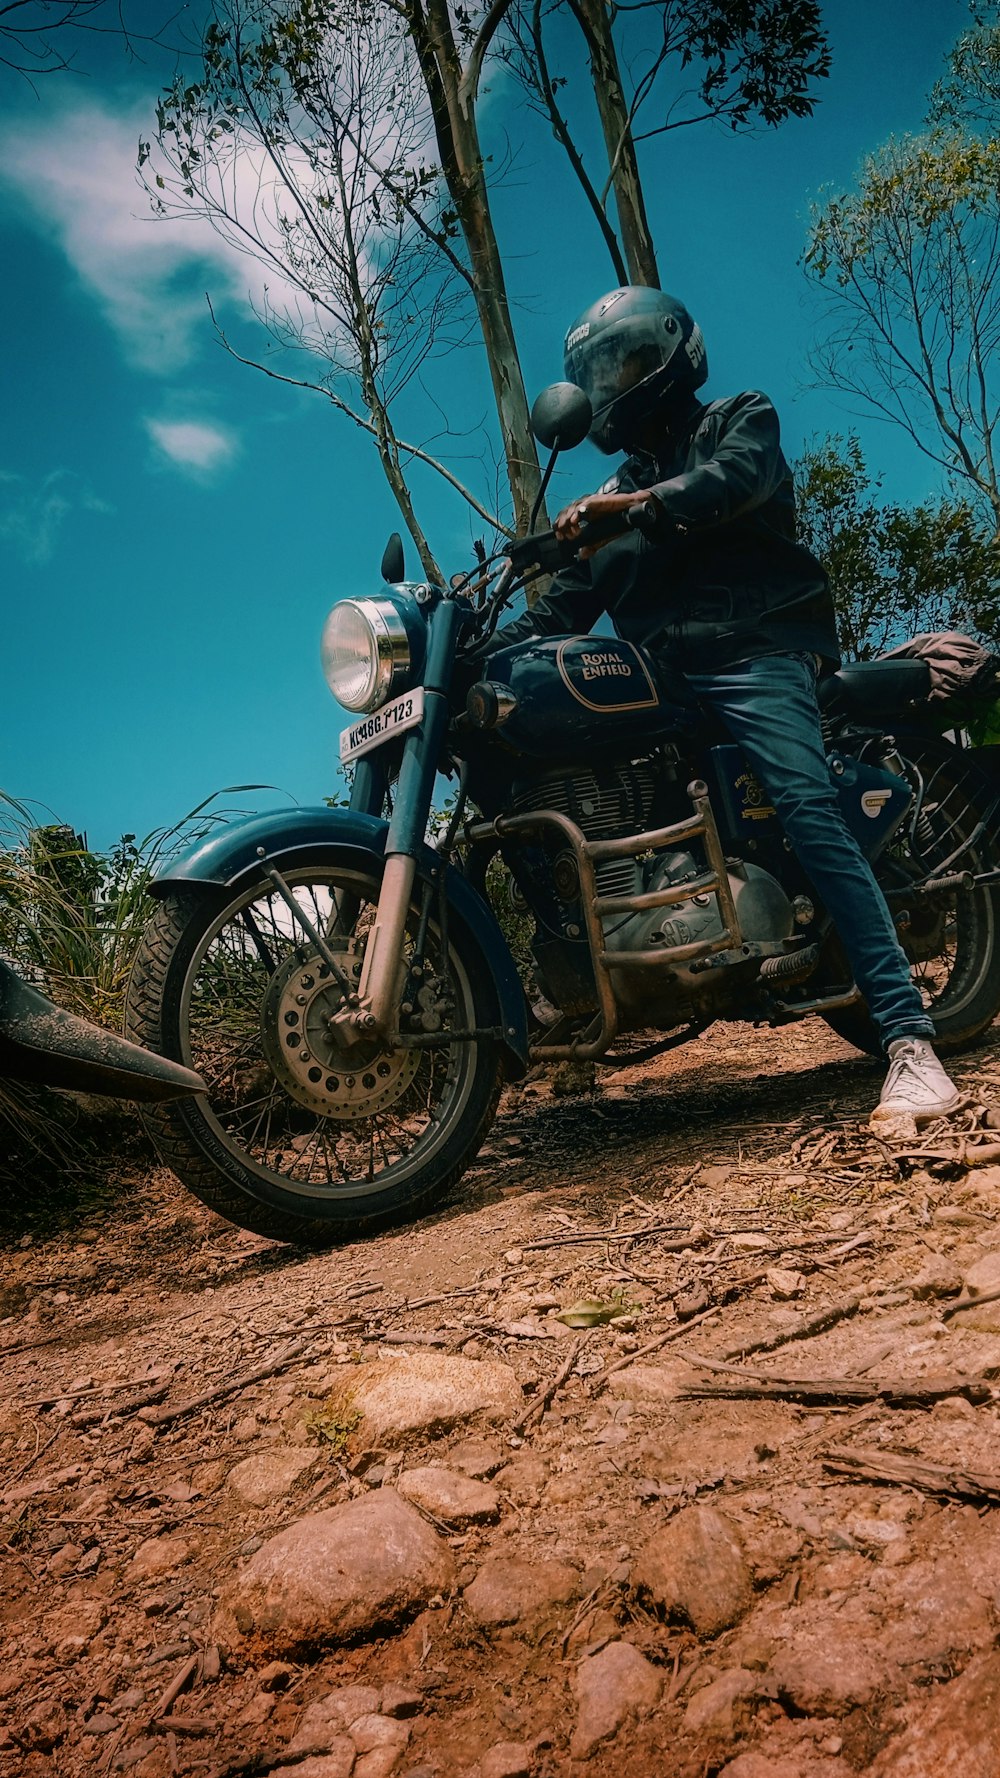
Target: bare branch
{"points": [[364, 423]]}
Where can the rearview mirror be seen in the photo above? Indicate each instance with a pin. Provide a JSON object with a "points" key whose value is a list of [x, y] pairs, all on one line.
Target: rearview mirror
{"points": [[393, 560], [561, 417]]}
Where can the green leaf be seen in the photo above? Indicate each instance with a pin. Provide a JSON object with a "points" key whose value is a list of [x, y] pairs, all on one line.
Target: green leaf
{"points": [[591, 1312]]}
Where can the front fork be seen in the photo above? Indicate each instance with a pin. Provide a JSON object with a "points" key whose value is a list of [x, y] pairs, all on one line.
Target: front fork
{"points": [[377, 1012]]}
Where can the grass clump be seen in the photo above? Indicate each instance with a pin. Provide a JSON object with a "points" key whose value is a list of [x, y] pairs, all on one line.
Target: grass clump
{"points": [[71, 919], [333, 1425]]}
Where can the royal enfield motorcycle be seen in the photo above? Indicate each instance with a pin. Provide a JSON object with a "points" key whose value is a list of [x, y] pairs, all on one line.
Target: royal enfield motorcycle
{"points": [[346, 989]]}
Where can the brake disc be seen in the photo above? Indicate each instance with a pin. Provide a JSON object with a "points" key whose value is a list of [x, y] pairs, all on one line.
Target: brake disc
{"points": [[301, 999]]}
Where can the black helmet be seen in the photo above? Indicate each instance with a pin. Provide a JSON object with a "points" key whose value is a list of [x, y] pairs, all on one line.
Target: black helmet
{"points": [[631, 352]]}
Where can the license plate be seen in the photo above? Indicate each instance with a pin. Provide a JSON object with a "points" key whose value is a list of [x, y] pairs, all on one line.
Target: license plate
{"points": [[392, 719]]}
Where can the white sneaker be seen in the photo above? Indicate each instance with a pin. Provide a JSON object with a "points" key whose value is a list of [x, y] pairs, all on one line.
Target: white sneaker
{"points": [[916, 1085]]}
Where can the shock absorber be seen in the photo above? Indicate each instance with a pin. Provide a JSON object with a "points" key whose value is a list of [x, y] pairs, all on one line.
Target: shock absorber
{"points": [[922, 833]]}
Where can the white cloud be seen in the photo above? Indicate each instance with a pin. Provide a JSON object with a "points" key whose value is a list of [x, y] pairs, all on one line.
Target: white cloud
{"points": [[32, 514], [193, 445], [75, 172]]}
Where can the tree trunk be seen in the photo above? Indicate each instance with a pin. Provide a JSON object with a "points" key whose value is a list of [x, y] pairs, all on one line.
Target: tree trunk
{"points": [[462, 165], [622, 163]]}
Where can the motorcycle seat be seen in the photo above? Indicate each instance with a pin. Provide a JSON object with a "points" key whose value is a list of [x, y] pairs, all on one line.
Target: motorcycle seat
{"points": [[876, 688]]}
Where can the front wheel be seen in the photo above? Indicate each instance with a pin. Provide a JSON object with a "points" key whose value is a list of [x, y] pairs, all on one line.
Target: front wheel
{"points": [[952, 941], [295, 1138]]}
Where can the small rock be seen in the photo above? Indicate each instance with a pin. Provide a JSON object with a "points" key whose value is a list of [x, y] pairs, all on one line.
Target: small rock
{"points": [[71, 1648], [650, 1382], [712, 1710], [953, 1407], [376, 1730], [268, 1476], [936, 1278], [582, 1483], [694, 1569], [979, 1320], [133, 1752], [430, 1392], [611, 1686], [476, 1458], [381, 1744], [256, 1712], [508, 1590], [688, 1303], [773, 1552], [523, 1478], [983, 1274], [826, 1674], [360, 1566], [158, 1555], [337, 1763], [507, 1759], [956, 1731], [275, 1677], [65, 1560], [447, 1495], [785, 1284], [101, 1724], [207, 1476], [44, 1726], [324, 1722], [397, 1701]]}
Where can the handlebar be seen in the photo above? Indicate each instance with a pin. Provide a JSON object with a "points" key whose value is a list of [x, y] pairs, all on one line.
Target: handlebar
{"points": [[549, 553]]}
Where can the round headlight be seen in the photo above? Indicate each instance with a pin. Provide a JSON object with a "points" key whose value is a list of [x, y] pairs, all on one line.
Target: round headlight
{"points": [[366, 652]]}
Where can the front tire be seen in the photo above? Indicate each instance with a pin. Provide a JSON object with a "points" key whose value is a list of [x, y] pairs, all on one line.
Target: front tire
{"points": [[294, 1140]]}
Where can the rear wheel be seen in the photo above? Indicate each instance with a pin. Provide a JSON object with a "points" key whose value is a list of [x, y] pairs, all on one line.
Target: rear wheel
{"points": [[297, 1139], [953, 940]]}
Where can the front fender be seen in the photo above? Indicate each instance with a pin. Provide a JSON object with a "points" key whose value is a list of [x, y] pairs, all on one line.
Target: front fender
{"points": [[229, 858]]}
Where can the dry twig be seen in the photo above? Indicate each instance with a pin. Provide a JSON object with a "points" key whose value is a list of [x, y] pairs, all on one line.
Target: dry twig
{"points": [[931, 1478], [164, 1416], [536, 1409], [834, 1391]]}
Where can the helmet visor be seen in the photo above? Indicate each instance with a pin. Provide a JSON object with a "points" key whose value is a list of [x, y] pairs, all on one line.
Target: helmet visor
{"points": [[613, 364]]}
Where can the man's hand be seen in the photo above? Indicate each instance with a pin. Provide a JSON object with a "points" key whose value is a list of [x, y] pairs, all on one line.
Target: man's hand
{"points": [[580, 513]]}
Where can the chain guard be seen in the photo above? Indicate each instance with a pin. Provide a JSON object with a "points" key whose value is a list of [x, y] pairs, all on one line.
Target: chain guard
{"points": [[302, 996]]}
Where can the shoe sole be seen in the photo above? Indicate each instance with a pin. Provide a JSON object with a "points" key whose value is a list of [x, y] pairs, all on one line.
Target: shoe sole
{"points": [[926, 1116]]}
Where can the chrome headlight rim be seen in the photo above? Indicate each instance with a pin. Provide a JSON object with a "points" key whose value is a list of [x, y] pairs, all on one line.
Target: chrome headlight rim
{"points": [[392, 657]]}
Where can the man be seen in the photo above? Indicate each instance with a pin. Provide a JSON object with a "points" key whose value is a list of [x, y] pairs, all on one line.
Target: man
{"points": [[721, 592]]}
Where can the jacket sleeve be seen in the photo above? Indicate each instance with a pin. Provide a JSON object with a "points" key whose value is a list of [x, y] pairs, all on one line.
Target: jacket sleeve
{"points": [[746, 467]]}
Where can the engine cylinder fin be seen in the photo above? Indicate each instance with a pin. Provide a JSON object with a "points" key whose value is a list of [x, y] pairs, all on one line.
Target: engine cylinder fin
{"points": [[604, 805]]}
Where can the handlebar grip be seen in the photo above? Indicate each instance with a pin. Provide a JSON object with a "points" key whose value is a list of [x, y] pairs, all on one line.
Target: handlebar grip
{"points": [[644, 518], [601, 530]]}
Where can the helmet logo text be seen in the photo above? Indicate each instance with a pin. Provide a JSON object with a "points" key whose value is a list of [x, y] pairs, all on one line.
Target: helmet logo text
{"points": [[695, 346]]}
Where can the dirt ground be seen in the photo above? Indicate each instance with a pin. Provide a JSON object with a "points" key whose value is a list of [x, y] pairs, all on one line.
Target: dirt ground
{"points": [[793, 1618]]}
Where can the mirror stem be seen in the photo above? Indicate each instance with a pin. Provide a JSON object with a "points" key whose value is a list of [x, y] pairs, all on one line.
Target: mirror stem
{"points": [[546, 478]]}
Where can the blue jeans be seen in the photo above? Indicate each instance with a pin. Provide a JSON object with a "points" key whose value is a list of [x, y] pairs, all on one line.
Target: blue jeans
{"points": [[769, 707]]}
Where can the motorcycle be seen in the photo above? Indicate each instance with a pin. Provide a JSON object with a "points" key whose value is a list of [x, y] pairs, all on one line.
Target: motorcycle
{"points": [[345, 988]]}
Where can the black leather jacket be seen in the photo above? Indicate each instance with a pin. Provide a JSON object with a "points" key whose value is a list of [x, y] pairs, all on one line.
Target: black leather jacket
{"points": [[726, 581]]}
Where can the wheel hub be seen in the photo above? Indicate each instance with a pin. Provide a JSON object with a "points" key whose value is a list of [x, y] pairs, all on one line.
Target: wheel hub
{"points": [[301, 999]]}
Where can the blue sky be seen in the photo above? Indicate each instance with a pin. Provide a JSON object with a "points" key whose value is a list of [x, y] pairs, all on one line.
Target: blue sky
{"points": [[174, 527]]}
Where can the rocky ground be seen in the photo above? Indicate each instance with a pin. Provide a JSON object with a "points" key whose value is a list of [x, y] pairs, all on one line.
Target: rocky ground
{"points": [[381, 1512]]}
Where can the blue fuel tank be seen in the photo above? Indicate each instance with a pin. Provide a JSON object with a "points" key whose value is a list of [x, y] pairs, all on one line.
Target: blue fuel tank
{"points": [[577, 696]]}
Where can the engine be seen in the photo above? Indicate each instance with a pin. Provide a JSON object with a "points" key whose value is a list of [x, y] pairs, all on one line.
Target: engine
{"points": [[631, 799]]}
